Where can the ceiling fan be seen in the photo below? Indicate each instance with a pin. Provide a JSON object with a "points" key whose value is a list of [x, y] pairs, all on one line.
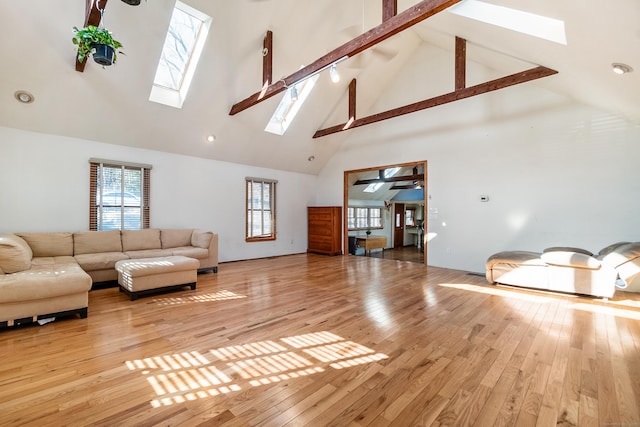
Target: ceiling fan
{"points": [[364, 59]]}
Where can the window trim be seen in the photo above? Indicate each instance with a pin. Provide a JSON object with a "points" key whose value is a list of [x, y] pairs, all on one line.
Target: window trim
{"points": [[249, 208], [176, 97], [94, 165]]}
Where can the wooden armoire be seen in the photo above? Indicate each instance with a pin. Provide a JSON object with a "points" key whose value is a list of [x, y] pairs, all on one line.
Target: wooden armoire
{"points": [[324, 230]]}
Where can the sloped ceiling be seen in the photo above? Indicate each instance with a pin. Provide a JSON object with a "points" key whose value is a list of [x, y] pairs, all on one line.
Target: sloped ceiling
{"points": [[111, 105]]}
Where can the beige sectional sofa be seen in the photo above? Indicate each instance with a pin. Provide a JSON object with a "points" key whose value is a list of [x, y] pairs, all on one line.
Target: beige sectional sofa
{"points": [[571, 270], [48, 274]]}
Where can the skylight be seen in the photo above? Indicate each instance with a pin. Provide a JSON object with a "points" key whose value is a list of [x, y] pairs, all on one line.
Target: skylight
{"points": [[512, 19], [388, 173], [183, 45], [289, 106]]}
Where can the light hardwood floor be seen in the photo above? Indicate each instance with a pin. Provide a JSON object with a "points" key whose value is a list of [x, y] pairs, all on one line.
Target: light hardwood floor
{"points": [[309, 340]]}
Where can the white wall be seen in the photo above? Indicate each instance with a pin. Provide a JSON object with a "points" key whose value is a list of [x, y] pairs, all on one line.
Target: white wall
{"points": [[45, 187], [556, 172]]}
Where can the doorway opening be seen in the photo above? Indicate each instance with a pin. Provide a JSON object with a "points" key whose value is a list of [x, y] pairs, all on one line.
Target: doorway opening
{"points": [[386, 201]]}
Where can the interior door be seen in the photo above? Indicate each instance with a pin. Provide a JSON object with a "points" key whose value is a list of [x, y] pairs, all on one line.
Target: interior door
{"points": [[398, 226]]}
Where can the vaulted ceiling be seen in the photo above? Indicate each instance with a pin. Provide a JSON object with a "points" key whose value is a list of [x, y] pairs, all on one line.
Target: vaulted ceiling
{"points": [[111, 105]]}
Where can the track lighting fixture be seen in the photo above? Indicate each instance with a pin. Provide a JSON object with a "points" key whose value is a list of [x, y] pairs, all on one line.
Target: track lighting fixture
{"points": [[333, 73]]}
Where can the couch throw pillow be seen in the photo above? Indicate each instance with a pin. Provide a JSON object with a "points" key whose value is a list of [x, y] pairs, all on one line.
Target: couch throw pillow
{"points": [[15, 254], [201, 239]]}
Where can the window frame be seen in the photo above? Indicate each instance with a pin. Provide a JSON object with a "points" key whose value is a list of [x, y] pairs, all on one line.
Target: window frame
{"points": [[250, 209], [353, 218], [95, 220], [410, 217], [175, 97]]}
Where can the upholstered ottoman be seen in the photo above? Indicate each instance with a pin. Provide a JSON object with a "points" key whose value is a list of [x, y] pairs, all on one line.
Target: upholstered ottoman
{"points": [[146, 275]]}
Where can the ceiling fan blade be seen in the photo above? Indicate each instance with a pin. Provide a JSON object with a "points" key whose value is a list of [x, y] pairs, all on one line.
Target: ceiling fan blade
{"points": [[364, 59], [385, 54], [350, 32]]}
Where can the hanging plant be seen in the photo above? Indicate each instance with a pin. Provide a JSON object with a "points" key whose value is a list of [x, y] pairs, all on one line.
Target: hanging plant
{"points": [[97, 41]]}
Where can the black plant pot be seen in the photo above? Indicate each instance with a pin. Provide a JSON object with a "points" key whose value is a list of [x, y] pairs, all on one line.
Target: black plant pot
{"points": [[103, 54], [132, 2]]}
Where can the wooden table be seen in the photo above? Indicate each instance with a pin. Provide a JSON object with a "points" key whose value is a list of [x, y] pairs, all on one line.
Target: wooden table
{"points": [[371, 242]]}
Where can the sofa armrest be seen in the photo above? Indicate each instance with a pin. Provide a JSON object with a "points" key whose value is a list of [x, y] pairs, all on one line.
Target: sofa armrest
{"points": [[207, 240], [626, 260], [568, 249], [571, 259]]}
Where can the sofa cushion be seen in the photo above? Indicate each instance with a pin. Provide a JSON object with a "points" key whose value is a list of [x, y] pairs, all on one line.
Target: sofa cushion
{"points": [[48, 277], [622, 254], [49, 244], [175, 238], [191, 252], [201, 238], [94, 242], [135, 240], [99, 261], [515, 258], [15, 254], [606, 251], [570, 259], [148, 253]]}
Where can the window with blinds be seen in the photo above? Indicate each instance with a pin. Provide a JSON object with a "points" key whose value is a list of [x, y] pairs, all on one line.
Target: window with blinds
{"points": [[261, 209], [363, 218], [118, 195]]}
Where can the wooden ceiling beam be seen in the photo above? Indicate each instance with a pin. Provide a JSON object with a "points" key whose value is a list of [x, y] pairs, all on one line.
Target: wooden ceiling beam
{"points": [[92, 17], [503, 82], [267, 59], [405, 187], [394, 25], [352, 100], [417, 177], [389, 9], [461, 64]]}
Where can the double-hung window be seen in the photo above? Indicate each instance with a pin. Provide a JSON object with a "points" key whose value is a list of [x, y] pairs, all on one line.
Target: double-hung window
{"points": [[118, 195], [261, 209]]}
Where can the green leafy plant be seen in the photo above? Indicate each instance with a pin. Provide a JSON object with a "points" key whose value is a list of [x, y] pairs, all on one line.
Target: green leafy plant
{"points": [[91, 35]]}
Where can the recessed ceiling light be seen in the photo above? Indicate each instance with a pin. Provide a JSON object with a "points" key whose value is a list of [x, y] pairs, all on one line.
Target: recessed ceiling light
{"points": [[211, 138], [620, 68], [311, 158], [24, 97]]}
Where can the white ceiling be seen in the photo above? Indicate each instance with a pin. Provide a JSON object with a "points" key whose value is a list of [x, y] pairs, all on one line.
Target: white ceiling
{"points": [[111, 105]]}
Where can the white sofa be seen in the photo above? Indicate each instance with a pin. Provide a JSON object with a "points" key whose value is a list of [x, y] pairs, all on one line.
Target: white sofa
{"points": [[45, 275], [572, 270]]}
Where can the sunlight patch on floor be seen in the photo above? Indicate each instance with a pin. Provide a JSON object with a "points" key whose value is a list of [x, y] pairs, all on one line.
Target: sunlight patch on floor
{"points": [[221, 295], [493, 290], [623, 308], [181, 377], [608, 310]]}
